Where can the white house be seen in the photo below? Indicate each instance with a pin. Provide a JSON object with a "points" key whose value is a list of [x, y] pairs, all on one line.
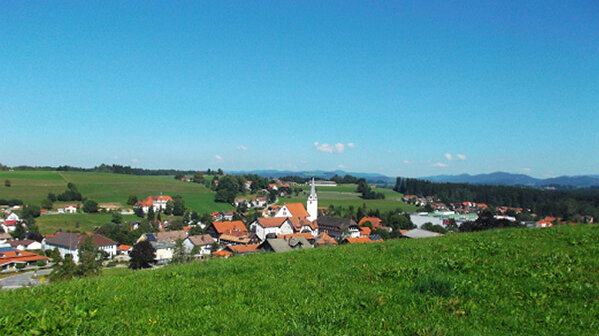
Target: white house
{"points": [[10, 222], [26, 244], [203, 242], [262, 227], [156, 202], [69, 243], [70, 208], [259, 202]]}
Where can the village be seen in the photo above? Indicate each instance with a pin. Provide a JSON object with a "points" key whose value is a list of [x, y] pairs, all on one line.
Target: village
{"points": [[224, 234]]}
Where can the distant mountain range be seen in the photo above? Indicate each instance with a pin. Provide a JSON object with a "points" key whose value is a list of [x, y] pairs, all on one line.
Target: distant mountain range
{"points": [[501, 178], [370, 177], [497, 178]]}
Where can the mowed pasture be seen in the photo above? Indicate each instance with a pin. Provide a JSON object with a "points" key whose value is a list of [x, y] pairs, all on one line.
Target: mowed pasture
{"points": [[76, 222], [34, 186], [499, 282], [346, 195]]}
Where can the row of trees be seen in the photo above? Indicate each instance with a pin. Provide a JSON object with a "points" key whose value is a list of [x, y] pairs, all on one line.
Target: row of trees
{"points": [[558, 203], [367, 192]]}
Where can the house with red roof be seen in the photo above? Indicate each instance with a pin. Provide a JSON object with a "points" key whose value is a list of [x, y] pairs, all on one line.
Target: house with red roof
{"points": [[358, 240], [292, 210], [11, 257], [156, 202], [374, 221], [216, 229], [271, 227]]}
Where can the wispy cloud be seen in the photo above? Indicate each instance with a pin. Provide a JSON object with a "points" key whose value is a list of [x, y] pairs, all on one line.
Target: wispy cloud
{"points": [[242, 147], [526, 170], [341, 166], [218, 157], [351, 145], [440, 164], [448, 156], [407, 161], [461, 156]]}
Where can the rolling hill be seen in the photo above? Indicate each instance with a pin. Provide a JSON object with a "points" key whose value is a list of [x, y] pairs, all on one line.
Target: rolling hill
{"points": [[508, 179], [500, 282]]}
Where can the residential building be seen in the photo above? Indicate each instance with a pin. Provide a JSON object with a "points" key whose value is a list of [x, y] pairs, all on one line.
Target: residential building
{"points": [[243, 249], [338, 228], [9, 258], [357, 240], [70, 208], [292, 210], [271, 227], [216, 229], [374, 221], [26, 244], [156, 202], [68, 243], [203, 243]]}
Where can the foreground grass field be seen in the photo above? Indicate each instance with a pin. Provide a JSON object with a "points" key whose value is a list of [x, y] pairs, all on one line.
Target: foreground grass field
{"points": [[33, 186], [346, 195], [503, 282]]}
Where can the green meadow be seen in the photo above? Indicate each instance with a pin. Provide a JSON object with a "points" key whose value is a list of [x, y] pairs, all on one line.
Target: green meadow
{"points": [[33, 186], [499, 282], [75, 222], [346, 195]]}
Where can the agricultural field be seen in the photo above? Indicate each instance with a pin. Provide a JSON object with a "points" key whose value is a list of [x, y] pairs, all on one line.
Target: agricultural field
{"points": [[499, 282], [76, 222], [346, 195], [33, 186]]}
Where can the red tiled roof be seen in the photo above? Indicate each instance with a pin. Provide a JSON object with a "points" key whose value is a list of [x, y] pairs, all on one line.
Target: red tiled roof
{"points": [[19, 257], [222, 254], [149, 201], [306, 235], [365, 231], [124, 247], [297, 210], [243, 248], [325, 239], [10, 223], [375, 221], [272, 221], [359, 240], [222, 227]]}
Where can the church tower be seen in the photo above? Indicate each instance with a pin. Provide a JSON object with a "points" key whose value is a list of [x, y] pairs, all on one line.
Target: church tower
{"points": [[312, 205]]}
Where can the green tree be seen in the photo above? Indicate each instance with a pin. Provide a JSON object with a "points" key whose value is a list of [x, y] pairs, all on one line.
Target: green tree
{"points": [[46, 204], [139, 212], [178, 206], [132, 200], [150, 213], [142, 255], [179, 254], [64, 268], [7, 183], [90, 206], [90, 262], [168, 210], [116, 218], [179, 176], [198, 177], [30, 211], [52, 197], [19, 232]]}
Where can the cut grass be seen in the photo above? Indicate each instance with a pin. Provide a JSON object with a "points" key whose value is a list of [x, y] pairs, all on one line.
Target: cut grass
{"points": [[33, 186], [500, 282], [68, 222]]}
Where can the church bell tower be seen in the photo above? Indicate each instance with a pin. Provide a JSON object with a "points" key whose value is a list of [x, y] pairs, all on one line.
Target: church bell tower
{"points": [[312, 205]]}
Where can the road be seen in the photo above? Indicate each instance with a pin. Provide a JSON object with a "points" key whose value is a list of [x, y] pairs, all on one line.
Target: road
{"points": [[22, 279]]}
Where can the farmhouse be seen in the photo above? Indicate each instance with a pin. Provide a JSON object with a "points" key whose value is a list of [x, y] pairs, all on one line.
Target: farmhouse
{"points": [[216, 229], [10, 222], [374, 221], [26, 244], [243, 249], [156, 202], [273, 226], [339, 228], [284, 245], [163, 243], [69, 243], [70, 208]]}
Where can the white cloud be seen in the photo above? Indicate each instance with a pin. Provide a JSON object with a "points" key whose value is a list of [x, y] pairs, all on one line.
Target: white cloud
{"points": [[242, 147], [218, 157], [461, 156], [325, 147], [135, 160], [448, 156], [440, 164], [341, 166], [526, 170], [351, 145], [407, 161]]}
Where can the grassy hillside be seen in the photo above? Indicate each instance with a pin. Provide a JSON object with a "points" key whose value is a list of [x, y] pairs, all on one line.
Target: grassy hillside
{"points": [[503, 282], [33, 186], [87, 222], [346, 195]]}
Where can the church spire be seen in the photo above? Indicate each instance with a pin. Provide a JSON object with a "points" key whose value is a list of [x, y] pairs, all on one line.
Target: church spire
{"points": [[312, 206], [312, 189]]}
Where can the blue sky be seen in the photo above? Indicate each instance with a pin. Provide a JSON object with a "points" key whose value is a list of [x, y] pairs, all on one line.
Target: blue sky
{"points": [[400, 88]]}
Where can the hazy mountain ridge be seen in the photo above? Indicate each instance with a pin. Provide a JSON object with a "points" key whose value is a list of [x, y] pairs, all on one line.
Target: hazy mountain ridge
{"points": [[502, 178]]}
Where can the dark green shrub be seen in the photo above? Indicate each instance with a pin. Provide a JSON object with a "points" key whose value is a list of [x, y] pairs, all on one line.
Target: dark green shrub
{"points": [[433, 286]]}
